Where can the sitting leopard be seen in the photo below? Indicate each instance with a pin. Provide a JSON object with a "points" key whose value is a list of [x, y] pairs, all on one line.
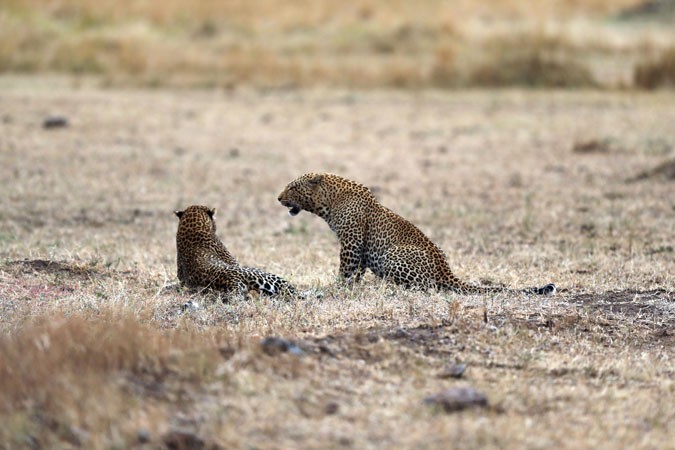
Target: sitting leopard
{"points": [[374, 237], [204, 261]]}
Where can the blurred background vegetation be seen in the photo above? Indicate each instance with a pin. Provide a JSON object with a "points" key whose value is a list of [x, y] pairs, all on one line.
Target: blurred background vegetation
{"points": [[359, 43]]}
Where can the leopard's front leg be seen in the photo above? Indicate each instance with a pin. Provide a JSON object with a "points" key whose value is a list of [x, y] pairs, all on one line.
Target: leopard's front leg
{"points": [[351, 268], [351, 233]]}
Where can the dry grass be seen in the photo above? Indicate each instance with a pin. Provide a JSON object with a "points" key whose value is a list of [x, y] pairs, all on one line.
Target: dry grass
{"points": [[531, 60], [659, 73], [96, 352], [368, 43]]}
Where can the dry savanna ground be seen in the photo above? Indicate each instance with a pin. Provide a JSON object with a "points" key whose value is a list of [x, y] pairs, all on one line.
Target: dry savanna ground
{"points": [[518, 187]]}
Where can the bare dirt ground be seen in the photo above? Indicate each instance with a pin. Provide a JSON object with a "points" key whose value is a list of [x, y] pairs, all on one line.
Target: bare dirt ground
{"points": [[518, 187]]}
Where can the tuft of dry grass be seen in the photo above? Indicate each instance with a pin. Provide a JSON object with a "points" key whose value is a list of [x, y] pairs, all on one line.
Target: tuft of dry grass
{"points": [[96, 350], [664, 171], [659, 73], [80, 378], [531, 60]]}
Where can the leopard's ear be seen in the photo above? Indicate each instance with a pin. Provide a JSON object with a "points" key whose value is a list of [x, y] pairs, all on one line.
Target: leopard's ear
{"points": [[211, 212], [315, 178], [179, 214]]}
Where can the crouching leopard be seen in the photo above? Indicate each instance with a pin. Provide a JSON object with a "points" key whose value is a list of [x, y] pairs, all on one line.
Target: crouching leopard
{"points": [[204, 261], [373, 237]]}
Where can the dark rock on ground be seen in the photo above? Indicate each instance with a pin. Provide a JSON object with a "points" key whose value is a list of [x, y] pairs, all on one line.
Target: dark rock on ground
{"points": [[273, 345], [180, 439], [457, 399], [54, 122]]}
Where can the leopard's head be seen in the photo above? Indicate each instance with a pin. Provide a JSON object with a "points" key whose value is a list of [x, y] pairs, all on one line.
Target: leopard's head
{"points": [[196, 219], [309, 192]]}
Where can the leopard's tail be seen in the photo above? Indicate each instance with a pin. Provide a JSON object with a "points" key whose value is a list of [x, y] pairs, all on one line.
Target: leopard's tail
{"points": [[452, 283], [267, 283]]}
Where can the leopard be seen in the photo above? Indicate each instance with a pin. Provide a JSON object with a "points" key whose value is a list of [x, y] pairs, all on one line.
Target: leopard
{"points": [[372, 236], [203, 261]]}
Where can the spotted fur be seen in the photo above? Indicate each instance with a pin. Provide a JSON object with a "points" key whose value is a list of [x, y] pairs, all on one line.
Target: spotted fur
{"points": [[204, 261], [376, 238]]}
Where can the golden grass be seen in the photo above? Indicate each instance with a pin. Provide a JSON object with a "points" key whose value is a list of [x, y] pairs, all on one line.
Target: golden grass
{"points": [[368, 43], [530, 60], [96, 351], [304, 13], [657, 73]]}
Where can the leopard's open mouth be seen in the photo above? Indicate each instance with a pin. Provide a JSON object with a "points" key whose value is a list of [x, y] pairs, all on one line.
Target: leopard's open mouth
{"points": [[293, 209]]}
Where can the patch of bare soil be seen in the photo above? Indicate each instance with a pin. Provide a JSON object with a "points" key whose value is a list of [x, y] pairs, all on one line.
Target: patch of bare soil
{"points": [[50, 283], [647, 310], [628, 303], [653, 310], [594, 146], [664, 171], [52, 267], [92, 217], [437, 340], [65, 269]]}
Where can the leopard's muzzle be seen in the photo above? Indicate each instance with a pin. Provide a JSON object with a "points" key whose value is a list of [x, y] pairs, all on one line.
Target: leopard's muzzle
{"points": [[293, 209]]}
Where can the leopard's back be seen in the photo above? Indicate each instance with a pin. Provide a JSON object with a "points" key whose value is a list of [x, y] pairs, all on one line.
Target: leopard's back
{"points": [[204, 261]]}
